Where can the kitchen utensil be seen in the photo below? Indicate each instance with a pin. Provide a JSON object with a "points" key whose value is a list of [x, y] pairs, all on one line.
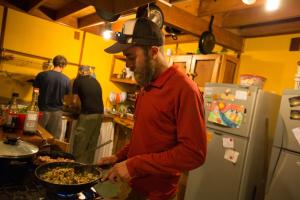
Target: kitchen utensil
{"points": [[207, 40], [172, 31], [98, 147], [84, 167], [68, 188], [14, 147], [152, 12]]}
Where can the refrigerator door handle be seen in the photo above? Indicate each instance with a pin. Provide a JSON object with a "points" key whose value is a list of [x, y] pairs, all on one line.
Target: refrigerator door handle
{"points": [[218, 133]]}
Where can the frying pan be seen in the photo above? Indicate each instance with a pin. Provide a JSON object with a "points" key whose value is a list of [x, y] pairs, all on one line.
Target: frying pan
{"points": [[71, 188], [207, 40]]}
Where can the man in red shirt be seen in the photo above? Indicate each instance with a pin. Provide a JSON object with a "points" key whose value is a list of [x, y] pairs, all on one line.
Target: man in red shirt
{"points": [[169, 134]]}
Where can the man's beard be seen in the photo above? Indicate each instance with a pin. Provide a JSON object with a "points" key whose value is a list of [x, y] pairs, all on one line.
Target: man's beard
{"points": [[145, 75]]}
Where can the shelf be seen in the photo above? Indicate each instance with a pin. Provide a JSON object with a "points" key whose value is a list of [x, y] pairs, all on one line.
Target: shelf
{"points": [[120, 57], [128, 81]]}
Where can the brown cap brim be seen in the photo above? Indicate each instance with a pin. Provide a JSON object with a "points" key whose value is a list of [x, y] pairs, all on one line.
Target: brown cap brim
{"points": [[117, 47]]}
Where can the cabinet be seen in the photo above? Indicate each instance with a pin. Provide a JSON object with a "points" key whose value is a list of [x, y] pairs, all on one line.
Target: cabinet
{"points": [[217, 68]]}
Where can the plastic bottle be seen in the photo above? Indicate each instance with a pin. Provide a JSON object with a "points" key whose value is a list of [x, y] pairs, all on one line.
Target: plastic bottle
{"points": [[32, 114], [11, 121]]}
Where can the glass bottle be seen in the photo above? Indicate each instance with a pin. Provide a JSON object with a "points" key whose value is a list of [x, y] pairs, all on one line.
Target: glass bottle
{"points": [[11, 121], [32, 114]]}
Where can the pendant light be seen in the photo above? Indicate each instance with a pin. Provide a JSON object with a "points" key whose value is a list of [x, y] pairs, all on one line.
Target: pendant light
{"points": [[249, 2], [272, 5], [107, 33]]}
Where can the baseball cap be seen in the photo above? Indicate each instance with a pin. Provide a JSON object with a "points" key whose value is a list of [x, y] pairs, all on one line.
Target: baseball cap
{"points": [[140, 31]]}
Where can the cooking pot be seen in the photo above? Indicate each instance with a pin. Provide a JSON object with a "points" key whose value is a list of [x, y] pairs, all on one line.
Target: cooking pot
{"points": [[68, 188], [152, 12], [14, 148]]}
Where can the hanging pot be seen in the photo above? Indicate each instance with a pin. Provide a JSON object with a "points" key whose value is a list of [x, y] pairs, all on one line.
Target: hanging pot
{"points": [[152, 12], [107, 16], [207, 40]]}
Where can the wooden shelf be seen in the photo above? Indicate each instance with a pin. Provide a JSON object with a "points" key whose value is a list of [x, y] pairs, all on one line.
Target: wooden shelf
{"points": [[128, 81], [120, 57]]}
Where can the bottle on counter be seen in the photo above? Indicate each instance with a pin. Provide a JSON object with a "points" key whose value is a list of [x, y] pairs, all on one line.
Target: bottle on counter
{"points": [[32, 114], [11, 119]]}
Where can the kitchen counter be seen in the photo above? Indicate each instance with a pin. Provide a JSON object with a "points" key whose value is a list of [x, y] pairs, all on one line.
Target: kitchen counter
{"points": [[38, 139], [128, 123]]}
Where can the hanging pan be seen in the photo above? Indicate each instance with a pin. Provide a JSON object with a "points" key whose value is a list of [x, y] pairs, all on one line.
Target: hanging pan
{"points": [[152, 12], [207, 40]]}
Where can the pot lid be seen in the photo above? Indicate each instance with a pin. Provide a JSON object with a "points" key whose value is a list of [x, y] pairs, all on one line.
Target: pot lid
{"points": [[17, 149]]}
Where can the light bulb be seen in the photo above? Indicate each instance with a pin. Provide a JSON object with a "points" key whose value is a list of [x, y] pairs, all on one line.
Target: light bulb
{"points": [[106, 34], [248, 2], [272, 5]]}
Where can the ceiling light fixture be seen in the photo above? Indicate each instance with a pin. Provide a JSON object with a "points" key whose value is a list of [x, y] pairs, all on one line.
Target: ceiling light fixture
{"points": [[107, 33], [249, 2], [272, 5]]}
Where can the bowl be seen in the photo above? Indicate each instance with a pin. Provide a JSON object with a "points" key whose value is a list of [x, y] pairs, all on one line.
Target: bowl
{"points": [[252, 80]]}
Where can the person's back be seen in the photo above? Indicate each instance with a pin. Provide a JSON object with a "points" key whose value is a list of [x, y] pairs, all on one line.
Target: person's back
{"points": [[90, 94], [53, 85]]}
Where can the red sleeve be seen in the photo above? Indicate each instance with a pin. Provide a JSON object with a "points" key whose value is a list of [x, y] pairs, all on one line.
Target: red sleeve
{"points": [[190, 151], [122, 154]]}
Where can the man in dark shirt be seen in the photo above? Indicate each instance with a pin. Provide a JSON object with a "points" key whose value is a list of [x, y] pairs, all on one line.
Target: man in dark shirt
{"points": [[53, 86], [88, 127]]}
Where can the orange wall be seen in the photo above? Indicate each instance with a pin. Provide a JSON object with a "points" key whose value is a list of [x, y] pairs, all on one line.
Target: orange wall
{"points": [[270, 57], [40, 37], [94, 55]]}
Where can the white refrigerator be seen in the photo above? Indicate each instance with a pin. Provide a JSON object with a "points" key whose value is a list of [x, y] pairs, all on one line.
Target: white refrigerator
{"points": [[284, 169], [240, 123]]}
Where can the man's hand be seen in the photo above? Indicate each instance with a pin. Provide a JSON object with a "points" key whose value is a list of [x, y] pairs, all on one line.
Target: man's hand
{"points": [[109, 160], [118, 172]]}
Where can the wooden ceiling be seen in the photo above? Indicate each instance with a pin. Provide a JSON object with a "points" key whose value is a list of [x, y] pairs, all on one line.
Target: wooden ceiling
{"points": [[233, 22]]}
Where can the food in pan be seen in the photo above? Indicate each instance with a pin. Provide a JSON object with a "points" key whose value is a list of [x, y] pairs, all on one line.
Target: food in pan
{"points": [[67, 176], [47, 159]]}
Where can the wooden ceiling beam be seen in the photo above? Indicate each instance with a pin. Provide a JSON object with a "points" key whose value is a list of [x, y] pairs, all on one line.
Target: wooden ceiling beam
{"points": [[116, 6], [13, 4], [100, 4], [89, 20], [34, 4], [196, 26], [94, 19], [48, 12], [287, 27], [69, 9], [209, 7], [121, 6], [288, 9], [186, 38]]}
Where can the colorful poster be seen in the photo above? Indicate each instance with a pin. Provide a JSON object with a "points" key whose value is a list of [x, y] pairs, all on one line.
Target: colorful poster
{"points": [[229, 115]]}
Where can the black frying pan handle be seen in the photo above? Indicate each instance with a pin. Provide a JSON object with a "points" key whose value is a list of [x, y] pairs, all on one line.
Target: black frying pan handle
{"points": [[211, 23]]}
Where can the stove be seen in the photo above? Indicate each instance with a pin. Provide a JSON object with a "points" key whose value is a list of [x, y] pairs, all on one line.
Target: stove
{"points": [[18, 182]]}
